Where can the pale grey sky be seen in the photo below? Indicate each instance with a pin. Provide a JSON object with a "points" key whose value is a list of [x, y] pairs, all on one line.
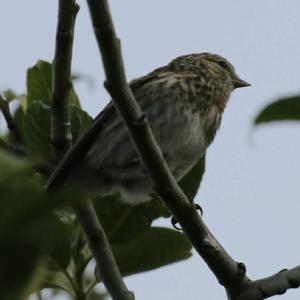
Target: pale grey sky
{"points": [[250, 192]]}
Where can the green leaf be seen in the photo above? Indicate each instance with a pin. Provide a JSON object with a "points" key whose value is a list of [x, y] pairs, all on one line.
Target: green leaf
{"points": [[39, 84], [190, 183], [36, 128], [73, 98], [13, 167], [21, 255], [55, 280], [19, 118], [286, 109], [61, 254], [19, 260], [80, 120], [155, 248], [10, 95], [122, 221], [28, 232]]}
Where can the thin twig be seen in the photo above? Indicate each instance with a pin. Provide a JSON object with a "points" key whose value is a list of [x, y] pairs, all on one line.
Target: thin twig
{"points": [[90, 288], [11, 125], [61, 141], [100, 248], [39, 295], [12, 148]]}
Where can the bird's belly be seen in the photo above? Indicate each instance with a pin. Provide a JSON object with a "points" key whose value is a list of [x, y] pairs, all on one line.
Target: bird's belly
{"points": [[181, 139], [185, 146]]}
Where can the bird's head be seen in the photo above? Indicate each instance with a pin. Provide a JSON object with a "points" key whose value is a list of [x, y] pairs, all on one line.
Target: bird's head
{"points": [[213, 66]]}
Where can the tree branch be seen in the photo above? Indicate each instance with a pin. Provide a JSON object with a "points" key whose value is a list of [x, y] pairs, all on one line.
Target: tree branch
{"points": [[61, 78], [223, 266], [61, 141], [264, 288], [100, 248], [13, 128]]}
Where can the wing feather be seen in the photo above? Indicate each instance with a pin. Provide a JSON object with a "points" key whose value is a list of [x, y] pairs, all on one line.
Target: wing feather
{"points": [[81, 147]]}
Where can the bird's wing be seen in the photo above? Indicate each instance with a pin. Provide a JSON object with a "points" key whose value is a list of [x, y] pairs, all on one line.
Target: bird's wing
{"points": [[74, 156], [78, 151]]}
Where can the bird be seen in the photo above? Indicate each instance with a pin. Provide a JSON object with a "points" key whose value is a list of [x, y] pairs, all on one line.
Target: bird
{"points": [[184, 102]]}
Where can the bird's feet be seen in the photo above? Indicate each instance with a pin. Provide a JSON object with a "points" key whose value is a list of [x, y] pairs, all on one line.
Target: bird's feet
{"points": [[174, 222]]}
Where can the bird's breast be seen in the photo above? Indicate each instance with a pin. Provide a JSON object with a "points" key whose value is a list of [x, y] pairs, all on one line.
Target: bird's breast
{"points": [[181, 139]]}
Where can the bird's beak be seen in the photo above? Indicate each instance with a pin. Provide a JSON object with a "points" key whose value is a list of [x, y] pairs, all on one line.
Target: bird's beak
{"points": [[238, 83]]}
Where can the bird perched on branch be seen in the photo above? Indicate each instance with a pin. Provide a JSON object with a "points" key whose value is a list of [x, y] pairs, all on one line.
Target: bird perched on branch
{"points": [[184, 102]]}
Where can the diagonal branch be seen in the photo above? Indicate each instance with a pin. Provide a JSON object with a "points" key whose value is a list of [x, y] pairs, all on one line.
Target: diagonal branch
{"points": [[224, 267], [61, 141]]}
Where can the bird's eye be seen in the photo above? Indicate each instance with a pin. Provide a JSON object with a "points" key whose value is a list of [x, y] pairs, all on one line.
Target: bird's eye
{"points": [[223, 64]]}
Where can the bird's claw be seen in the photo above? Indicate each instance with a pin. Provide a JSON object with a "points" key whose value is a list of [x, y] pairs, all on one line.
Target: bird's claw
{"points": [[198, 207], [174, 222]]}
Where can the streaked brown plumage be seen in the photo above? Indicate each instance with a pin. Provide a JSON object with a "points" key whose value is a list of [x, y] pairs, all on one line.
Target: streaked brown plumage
{"points": [[184, 102]]}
